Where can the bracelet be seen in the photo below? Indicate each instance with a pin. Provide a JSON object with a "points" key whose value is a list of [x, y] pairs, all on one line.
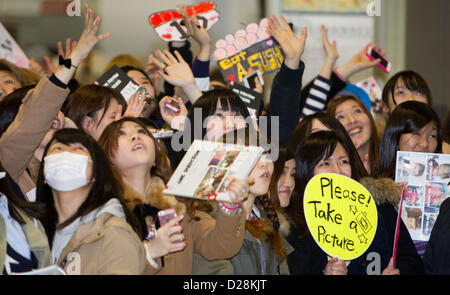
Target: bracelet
{"points": [[232, 208], [66, 62], [151, 233], [230, 212]]}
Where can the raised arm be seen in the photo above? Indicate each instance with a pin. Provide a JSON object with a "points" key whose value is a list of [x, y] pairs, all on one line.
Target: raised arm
{"points": [[41, 105], [285, 92], [317, 96]]}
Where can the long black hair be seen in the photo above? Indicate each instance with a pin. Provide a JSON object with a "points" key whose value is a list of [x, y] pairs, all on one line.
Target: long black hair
{"points": [[15, 203], [103, 189], [284, 155], [208, 105], [407, 117], [304, 129], [412, 81], [9, 106], [312, 150]]}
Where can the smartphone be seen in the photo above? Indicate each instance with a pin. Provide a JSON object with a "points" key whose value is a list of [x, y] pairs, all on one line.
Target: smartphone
{"points": [[384, 64], [173, 105], [165, 216], [249, 81]]}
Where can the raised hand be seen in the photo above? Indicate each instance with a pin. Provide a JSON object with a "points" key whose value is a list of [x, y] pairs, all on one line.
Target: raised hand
{"points": [[201, 36], [70, 46], [174, 70], [83, 47], [359, 62], [330, 49], [331, 54], [89, 37], [175, 120], [136, 105], [291, 45], [177, 72]]}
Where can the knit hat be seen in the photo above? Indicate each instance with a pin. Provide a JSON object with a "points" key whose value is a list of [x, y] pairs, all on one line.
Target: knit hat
{"points": [[353, 90]]}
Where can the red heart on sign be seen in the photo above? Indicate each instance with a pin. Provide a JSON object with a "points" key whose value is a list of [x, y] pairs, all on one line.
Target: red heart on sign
{"points": [[231, 78], [167, 36]]}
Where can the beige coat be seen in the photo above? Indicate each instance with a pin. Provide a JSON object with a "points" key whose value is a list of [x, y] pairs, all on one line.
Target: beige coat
{"points": [[23, 136], [219, 238], [106, 245], [36, 237]]}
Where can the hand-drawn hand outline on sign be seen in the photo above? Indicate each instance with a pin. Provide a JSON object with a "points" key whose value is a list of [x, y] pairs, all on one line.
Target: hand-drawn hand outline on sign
{"points": [[170, 25], [341, 215]]}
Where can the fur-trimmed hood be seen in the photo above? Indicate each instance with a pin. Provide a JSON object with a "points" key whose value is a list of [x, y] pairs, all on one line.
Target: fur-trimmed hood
{"points": [[153, 196], [285, 225], [383, 190]]}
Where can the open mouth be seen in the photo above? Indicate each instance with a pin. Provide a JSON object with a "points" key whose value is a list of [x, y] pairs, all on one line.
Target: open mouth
{"points": [[354, 131], [138, 146], [56, 125]]}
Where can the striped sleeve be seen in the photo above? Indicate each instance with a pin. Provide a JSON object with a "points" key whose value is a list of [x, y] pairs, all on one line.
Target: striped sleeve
{"points": [[317, 97], [200, 69]]}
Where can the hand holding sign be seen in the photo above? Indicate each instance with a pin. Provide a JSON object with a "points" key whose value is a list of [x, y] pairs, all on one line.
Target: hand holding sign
{"points": [[170, 25], [341, 215]]}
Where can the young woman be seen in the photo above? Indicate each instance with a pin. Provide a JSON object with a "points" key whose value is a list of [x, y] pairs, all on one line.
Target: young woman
{"points": [[11, 78], [93, 107], [40, 107], [360, 125], [215, 113], [384, 191], [405, 86], [413, 126], [327, 152], [84, 212], [23, 242], [265, 249], [284, 171], [140, 77], [135, 156]]}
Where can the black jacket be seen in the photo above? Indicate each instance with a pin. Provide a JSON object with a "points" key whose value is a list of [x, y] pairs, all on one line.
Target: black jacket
{"points": [[437, 254]]}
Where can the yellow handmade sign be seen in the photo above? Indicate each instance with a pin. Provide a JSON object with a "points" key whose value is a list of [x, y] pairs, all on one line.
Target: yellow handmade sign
{"points": [[341, 215]]}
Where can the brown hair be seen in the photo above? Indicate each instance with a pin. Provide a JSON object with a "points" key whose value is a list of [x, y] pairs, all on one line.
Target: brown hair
{"points": [[88, 100], [263, 225], [15, 71], [374, 148], [125, 60], [108, 141]]}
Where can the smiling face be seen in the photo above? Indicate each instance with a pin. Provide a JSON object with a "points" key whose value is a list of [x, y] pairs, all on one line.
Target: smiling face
{"points": [[286, 183], [261, 176], [134, 147], [356, 122], [338, 163], [424, 140], [8, 84]]}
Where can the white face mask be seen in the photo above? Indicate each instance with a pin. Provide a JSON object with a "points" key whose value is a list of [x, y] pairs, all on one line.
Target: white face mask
{"points": [[66, 171]]}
